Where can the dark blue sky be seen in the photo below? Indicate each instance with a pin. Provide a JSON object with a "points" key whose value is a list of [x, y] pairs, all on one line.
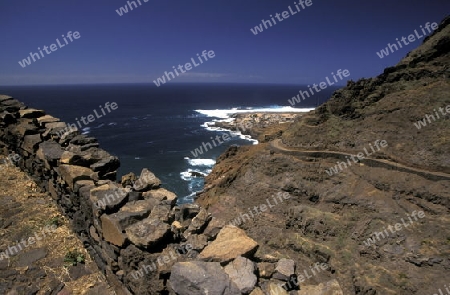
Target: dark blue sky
{"points": [[140, 45]]}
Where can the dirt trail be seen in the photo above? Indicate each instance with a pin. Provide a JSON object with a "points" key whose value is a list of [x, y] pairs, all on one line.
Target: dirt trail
{"points": [[435, 176]]}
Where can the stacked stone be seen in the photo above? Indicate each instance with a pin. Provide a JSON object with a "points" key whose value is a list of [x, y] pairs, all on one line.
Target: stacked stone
{"points": [[118, 223]]}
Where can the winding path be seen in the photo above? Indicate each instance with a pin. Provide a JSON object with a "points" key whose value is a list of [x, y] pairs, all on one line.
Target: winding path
{"points": [[435, 176]]}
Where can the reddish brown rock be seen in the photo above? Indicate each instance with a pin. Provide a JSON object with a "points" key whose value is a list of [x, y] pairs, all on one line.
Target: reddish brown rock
{"points": [[230, 243]]}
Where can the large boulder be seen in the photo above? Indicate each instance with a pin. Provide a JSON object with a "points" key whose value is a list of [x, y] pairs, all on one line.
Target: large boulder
{"points": [[201, 278], [128, 179], [114, 225], [162, 195], [25, 127], [12, 105], [147, 180], [112, 231], [30, 142], [148, 232], [71, 158], [109, 196], [242, 272], [162, 213], [199, 222], [71, 174], [49, 152], [97, 159], [230, 243]]}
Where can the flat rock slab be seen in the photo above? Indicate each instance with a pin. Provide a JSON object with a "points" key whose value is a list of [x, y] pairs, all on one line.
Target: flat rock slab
{"points": [[201, 278], [109, 196], [29, 257], [31, 113], [230, 243], [4, 97], [79, 271], [46, 119], [147, 232], [71, 174]]}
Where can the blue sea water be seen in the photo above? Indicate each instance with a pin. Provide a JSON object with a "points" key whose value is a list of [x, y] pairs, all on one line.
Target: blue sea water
{"points": [[157, 128]]}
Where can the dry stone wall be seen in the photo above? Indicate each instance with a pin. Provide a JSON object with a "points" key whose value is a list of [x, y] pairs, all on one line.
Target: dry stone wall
{"points": [[127, 227]]}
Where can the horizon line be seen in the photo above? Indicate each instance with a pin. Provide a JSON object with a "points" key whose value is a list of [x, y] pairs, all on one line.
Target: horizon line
{"points": [[173, 84]]}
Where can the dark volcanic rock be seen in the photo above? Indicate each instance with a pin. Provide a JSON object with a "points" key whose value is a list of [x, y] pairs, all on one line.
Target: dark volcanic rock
{"points": [[50, 152], [148, 232], [147, 180], [242, 272], [201, 278]]}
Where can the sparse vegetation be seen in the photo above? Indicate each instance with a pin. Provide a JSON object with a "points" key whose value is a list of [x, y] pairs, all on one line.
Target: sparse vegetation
{"points": [[54, 221], [74, 257]]}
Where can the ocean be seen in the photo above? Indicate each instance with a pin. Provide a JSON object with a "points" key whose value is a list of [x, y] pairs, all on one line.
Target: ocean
{"points": [[159, 127]]}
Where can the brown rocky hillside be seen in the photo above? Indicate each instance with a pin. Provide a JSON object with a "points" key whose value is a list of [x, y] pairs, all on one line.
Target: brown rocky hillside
{"points": [[329, 218]]}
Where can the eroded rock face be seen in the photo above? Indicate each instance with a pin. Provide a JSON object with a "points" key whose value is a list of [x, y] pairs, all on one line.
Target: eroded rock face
{"points": [[201, 278], [230, 243]]}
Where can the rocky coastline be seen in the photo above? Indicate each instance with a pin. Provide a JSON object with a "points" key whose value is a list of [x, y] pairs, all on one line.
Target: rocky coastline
{"points": [[255, 124], [270, 221], [131, 228]]}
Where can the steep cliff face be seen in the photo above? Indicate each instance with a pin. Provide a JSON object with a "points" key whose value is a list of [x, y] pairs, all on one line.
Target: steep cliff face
{"points": [[380, 218]]}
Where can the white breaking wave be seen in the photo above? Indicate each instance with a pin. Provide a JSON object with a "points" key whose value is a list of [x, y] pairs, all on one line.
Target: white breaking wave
{"points": [[189, 174], [226, 113], [86, 130], [201, 162]]}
